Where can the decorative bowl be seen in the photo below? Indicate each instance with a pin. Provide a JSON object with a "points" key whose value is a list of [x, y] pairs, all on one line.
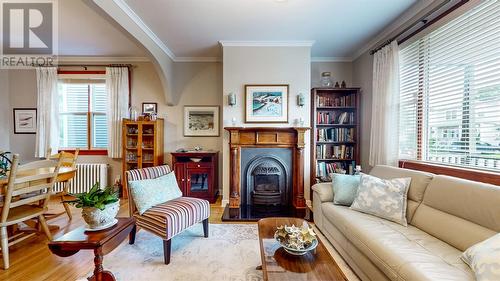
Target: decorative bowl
{"points": [[195, 159], [295, 240]]}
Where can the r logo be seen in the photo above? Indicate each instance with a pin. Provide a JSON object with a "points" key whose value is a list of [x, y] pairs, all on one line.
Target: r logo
{"points": [[27, 28]]}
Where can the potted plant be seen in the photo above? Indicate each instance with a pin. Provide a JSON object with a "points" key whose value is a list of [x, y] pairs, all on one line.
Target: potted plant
{"points": [[99, 206]]}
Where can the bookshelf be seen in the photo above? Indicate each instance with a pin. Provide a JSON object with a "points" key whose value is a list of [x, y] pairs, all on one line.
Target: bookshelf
{"points": [[142, 146], [335, 131]]}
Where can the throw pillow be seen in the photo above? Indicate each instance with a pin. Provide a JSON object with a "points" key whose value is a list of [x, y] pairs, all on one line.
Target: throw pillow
{"points": [[386, 199], [484, 259], [345, 188], [150, 192]]}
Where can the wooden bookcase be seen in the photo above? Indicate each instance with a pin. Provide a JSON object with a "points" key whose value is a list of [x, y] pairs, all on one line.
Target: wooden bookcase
{"points": [[335, 131], [142, 146]]}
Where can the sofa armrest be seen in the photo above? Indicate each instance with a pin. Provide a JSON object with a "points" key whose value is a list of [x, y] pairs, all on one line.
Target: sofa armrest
{"points": [[324, 190]]}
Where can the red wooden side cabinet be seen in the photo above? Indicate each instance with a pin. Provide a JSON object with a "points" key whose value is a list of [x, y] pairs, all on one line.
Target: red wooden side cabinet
{"points": [[197, 173]]}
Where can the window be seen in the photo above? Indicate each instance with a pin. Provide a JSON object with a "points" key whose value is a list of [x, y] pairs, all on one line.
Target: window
{"points": [[82, 119], [450, 92]]}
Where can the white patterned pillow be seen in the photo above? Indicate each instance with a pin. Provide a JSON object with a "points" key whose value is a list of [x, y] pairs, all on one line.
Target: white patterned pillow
{"points": [[484, 259], [386, 199]]}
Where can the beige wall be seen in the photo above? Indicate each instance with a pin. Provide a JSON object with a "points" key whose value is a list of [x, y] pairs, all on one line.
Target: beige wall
{"points": [[5, 112], [265, 65], [340, 71]]}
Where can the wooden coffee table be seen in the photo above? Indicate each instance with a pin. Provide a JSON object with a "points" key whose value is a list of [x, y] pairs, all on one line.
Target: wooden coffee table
{"points": [[101, 242], [279, 265]]}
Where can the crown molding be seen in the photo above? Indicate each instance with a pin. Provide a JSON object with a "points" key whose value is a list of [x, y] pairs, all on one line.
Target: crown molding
{"points": [[197, 59], [331, 59], [144, 27], [97, 59], [229, 43]]}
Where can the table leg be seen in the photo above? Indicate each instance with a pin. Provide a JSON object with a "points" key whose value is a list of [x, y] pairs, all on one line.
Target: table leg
{"points": [[99, 273]]}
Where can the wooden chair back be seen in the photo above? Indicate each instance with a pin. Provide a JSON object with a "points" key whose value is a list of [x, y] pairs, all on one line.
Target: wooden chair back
{"points": [[69, 159], [37, 177]]}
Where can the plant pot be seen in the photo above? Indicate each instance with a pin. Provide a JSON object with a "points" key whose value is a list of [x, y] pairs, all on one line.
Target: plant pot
{"points": [[96, 218]]}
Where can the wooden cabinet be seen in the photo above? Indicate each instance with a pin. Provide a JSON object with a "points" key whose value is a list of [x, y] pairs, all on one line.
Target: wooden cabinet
{"points": [[142, 146], [197, 173]]}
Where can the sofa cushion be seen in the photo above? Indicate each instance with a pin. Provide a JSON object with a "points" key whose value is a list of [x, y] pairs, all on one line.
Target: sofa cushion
{"points": [[345, 188], [402, 253], [419, 182], [459, 212], [484, 259]]}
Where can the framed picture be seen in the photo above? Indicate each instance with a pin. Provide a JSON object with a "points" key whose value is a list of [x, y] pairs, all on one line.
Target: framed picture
{"points": [[201, 121], [266, 103], [149, 107], [24, 120]]}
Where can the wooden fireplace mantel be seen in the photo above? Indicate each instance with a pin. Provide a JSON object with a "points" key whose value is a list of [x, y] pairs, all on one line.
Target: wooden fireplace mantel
{"points": [[270, 137]]}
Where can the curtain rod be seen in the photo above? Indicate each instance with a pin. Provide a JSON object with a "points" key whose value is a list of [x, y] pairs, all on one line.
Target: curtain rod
{"points": [[423, 20], [86, 66]]}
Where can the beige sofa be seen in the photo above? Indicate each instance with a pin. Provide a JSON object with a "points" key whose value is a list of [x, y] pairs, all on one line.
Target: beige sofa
{"points": [[445, 216]]}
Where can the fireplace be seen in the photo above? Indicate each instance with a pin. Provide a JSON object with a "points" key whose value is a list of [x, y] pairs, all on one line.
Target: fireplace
{"points": [[265, 176]]}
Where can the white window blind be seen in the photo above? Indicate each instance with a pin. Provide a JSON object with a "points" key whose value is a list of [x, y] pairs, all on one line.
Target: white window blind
{"points": [[450, 92], [82, 107]]}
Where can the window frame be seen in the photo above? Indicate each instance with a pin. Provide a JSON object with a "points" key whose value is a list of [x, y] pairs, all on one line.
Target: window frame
{"points": [[89, 150]]}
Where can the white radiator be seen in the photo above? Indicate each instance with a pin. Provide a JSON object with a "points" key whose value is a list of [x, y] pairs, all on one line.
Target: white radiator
{"points": [[86, 176]]}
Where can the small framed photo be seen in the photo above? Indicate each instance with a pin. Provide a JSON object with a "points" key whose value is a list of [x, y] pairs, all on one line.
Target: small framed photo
{"points": [[149, 107], [201, 121], [266, 103], [24, 120]]}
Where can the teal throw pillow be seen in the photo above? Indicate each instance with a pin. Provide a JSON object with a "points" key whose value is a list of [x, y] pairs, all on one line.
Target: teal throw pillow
{"points": [[345, 188], [150, 192]]}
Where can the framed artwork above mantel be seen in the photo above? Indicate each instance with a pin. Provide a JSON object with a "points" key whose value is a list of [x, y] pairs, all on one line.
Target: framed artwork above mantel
{"points": [[266, 103]]}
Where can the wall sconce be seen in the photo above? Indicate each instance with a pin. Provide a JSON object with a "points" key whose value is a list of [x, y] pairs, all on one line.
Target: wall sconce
{"points": [[231, 99], [301, 99]]}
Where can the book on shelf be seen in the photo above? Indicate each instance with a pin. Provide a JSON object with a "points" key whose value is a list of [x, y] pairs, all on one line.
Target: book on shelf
{"points": [[326, 151], [323, 169], [335, 117], [330, 101], [336, 134]]}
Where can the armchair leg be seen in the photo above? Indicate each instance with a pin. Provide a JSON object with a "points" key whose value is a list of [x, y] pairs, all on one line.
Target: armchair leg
{"points": [[131, 236], [205, 227], [5, 247], [167, 245], [45, 227]]}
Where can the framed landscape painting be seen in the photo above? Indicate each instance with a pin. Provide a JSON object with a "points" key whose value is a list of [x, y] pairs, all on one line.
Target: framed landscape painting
{"points": [[266, 103], [24, 120], [201, 121]]}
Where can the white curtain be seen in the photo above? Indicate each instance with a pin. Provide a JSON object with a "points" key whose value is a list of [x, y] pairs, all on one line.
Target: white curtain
{"points": [[47, 129], [117, 86], [384, 136]]}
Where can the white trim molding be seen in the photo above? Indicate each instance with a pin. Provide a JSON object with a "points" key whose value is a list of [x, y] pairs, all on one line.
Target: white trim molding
{"points": [[197, 59], [331, 59], [98, 59], [229, 43]]}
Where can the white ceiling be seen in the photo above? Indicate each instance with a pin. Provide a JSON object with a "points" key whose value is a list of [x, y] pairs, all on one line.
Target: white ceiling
{"points": [[193, 28], [85, 32]]}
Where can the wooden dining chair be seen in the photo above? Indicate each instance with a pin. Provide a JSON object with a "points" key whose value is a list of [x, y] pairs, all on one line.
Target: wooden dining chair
{"points": [[33, 178], [68, 160]]}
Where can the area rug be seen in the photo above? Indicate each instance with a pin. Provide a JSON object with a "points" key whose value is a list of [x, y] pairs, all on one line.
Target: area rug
{"points": [[231, 253]]}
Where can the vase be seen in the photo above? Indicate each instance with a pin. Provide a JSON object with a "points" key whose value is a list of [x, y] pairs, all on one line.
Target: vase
{"points": [[96, 218]]}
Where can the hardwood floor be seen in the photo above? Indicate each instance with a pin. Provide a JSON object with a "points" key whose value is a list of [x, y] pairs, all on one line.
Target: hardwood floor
{"points": [[32, 260]]}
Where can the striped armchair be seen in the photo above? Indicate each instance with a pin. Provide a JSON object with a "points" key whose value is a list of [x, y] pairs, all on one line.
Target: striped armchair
{"points": [[170, 218]]}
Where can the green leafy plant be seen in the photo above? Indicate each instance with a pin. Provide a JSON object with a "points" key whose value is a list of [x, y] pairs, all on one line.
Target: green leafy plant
{"points": [[95, 197]]}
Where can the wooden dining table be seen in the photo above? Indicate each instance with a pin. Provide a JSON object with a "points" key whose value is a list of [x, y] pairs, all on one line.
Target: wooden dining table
{"points": [[64, 174]]}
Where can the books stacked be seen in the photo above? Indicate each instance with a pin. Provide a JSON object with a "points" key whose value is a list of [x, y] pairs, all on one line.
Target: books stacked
{"points": [[325, 151], [323, 169], [330, 101], [336, 134], [335, 118]]}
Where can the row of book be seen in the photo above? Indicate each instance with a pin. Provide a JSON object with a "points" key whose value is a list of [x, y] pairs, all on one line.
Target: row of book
{"points": [[331, 101], [325, 151], [324, 169], [335, 118], [336, 134]]}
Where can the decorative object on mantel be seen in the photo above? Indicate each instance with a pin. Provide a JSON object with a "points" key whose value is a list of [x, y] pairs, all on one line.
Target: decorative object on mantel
{"points": [[24, 120], [326, 79], [201, 121], [149, 108], [343, 84], [301, 99], [296, 240], [231, 99], [99, 207], [266, 103], [337, 85]]}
